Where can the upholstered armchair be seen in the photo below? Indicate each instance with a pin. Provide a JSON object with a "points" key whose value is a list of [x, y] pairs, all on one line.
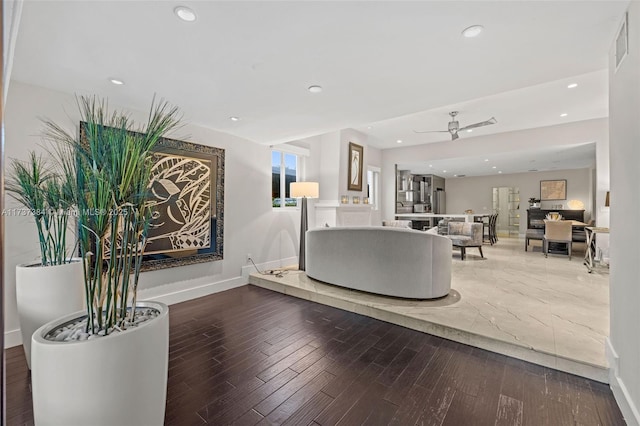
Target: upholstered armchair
{"points": [[557, 231], [466, 234], [397, 223]]}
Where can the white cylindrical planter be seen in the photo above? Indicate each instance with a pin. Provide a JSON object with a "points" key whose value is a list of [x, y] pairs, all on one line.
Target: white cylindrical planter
{"points": [[120, 379], [44, 293]]}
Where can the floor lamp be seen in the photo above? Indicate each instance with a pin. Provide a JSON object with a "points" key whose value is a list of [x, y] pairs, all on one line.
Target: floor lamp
{"points": [[303, 190]]}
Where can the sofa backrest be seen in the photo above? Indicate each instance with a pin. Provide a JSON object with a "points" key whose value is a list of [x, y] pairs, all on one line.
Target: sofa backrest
{"points": [[417, 264]]}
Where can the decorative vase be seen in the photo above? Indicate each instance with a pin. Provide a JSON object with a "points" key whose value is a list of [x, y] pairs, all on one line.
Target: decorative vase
{"points": [[44, 293], [120, 379]]}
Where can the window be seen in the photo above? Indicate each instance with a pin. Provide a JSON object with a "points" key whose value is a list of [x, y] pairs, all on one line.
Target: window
{"points": [[285, 168], [373, 186]]}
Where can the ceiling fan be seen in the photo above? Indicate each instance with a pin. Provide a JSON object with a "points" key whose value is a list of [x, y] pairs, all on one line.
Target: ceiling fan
{"points": [[454, 127]]}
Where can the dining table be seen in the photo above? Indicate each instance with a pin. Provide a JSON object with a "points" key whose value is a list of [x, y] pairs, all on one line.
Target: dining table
{"points": [[590, 257]]}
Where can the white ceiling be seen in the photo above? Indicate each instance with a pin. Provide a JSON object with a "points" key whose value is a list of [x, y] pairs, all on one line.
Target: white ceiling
{"points": [[533, 160], [375, 60], [530, 107]]}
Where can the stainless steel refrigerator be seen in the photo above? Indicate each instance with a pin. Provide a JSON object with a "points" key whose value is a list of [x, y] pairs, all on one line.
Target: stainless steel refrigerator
{"points": [[439, 202]]}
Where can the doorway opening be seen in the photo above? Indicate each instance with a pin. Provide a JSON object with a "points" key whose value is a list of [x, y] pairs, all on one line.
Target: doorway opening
{"points": [[506, 202]]}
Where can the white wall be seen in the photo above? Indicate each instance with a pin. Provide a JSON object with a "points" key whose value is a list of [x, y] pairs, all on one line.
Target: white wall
{"points": [[523, 140], [371, 157], [624, 150], [475, 193], [251, 224], [329, 165]]}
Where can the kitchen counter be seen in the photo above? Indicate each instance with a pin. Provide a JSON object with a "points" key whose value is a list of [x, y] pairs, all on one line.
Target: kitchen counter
{"points": [[425, 216]]}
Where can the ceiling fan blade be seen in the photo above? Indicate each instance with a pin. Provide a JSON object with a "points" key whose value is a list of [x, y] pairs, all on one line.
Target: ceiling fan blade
{"points": [[490, 121], [432, 131]]}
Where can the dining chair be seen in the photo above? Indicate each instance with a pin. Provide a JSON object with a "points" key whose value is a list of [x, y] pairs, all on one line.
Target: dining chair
{"points": [[557, 231], [485, 221], [579, 234], [493, 234]]}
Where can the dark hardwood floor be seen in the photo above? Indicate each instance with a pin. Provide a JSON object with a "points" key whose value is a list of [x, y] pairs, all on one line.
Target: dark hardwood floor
{"points": [[251, 356]]}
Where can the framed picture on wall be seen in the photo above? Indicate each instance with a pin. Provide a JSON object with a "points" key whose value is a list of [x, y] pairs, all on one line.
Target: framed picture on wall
{"points": [[553, 190], [355, 167], [186, 203]]}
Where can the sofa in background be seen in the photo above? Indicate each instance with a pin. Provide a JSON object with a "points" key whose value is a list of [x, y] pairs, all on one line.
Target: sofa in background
{"points": [[397, 223], [383, 260]]}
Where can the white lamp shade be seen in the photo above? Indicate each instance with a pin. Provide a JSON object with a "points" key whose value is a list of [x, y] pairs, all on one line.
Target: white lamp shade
{"points": [[305, 189], [575, 205]]}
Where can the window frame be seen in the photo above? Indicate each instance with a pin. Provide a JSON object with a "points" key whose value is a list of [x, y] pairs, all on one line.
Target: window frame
{"points": [[374, 187], [300, 154]]}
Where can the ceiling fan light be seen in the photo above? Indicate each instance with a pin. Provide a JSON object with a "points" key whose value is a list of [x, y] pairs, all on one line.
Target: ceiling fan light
{"points": [[472, 31]]}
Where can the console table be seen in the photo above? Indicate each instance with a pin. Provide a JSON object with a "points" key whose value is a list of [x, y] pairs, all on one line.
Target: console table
{"points": [[536, 217]]}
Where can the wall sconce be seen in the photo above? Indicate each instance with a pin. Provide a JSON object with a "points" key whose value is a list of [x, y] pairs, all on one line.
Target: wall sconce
{"points": [[356, 199], [365, 200], [344, 199]]}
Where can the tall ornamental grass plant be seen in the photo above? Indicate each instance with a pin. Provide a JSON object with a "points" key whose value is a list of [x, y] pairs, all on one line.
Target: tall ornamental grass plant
{"points": [[110, 163], [48, 196]]}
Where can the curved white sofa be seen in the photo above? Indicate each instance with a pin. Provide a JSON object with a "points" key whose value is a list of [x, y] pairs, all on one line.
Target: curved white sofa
{"points": [[390, 261]]}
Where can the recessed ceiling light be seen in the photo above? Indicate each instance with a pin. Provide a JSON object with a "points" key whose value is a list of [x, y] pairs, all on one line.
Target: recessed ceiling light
{"points": [[486, 159], [564, 114], [369, 127], [399, 141], [444, 171], [234, 119], [472, 31], [494, 167], [572, 86], [499, 171], [430, 165], [315, 89], [185, 13], [469, 130], [455, 175], [116, 81]]}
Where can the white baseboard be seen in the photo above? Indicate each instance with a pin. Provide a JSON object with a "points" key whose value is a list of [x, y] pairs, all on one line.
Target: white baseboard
{"points": [[169, 294], [620, 392], [12, 338], [187, 290], [182, 291], [275, 264]]}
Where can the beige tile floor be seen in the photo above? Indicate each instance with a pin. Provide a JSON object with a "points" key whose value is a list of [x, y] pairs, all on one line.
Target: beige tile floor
{"points": [[549, 311]]}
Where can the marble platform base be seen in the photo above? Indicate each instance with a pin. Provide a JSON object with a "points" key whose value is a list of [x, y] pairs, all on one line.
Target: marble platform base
{"points": [[549, 312]]}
